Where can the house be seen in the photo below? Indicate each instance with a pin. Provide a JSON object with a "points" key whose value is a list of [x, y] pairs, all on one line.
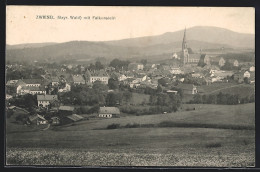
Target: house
{"points": [[181, 79], [37, 90], [67, 88], [235, 63], [188, 88], [55, 81], [8, 96], [11, 82], [175, 56], [217, 79], [32, 82], [196, 75], [252, 69], [45, 100], [221, 62], [31, 90], [37, 119], [96, 75], [222, 74], [108, 112], [246, 74], [71, 118], [14, 86], [193, 58], [154, 66], [122, 77], [78, 79], [55, 120], [176, 71], [135, 66]]}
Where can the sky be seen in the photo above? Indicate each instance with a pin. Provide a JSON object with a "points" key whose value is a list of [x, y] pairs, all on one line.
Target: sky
{"points": [[22, 25]]}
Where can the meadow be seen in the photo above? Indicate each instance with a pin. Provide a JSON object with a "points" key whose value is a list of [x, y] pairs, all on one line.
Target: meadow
{"points": [[90, 143], [243, 90]]}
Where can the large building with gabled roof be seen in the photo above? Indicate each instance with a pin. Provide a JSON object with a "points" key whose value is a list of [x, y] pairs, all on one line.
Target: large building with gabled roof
{"points": [[186, 57], [45, 100]]}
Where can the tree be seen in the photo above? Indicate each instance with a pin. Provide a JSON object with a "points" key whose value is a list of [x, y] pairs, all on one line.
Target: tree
{"points": [[159, 89], [162, 81], [153, 99], [98, 65], [212, 99], [144, 61], [197, 98], [252, 98], [127, 96], [190, 51], [29, 101], [112, 99], [98, 87], [201, 63], [119, 64], [113, 83], [227, 66], [246, 80]]}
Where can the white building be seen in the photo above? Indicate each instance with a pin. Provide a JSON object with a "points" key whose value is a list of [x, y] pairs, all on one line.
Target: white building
{"points": [[247, 74], [252, 69], [67, 88], [45, 100]]}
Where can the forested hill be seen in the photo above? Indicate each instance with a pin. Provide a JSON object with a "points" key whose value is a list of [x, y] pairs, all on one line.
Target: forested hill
{"points": [[197, 38]]}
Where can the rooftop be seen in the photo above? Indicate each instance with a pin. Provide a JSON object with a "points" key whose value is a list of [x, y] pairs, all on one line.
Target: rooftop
{"points": [[78, 78], [47, 97], [75, 117], [32, 81], [96, 73], [109, 110], [66, 108]]}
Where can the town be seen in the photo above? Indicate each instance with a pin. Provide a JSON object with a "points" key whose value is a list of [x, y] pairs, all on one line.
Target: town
{"points": [[58, 94], [190, 107]]}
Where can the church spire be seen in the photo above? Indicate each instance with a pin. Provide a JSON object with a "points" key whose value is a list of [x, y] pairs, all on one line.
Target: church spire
{"points": [[184, 43]]}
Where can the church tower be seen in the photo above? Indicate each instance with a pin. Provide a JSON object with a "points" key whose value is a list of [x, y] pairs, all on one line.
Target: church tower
{"points": [[185, 53]]}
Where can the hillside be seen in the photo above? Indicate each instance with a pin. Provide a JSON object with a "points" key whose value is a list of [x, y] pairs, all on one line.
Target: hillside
{"points": [[208, 34], [197, 37], [32, 45]]}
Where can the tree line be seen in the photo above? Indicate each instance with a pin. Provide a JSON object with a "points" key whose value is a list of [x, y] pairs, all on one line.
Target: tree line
{"points": [[221, 98]]}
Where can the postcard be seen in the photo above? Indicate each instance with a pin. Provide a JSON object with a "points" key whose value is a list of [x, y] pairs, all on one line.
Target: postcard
{"points": [[98, 86]]}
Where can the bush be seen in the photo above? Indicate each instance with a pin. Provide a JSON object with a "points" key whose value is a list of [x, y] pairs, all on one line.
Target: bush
{"points": [[113, 126], [213, 145], [135, 125], [9, 113], [21, 118]]}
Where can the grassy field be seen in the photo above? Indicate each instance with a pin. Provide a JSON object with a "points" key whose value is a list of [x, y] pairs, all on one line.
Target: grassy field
{"points": [[138, 98], [228, 88], [89, 143], [214, 86]]}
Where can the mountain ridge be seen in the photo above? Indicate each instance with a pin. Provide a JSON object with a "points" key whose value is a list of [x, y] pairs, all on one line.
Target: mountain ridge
{"points": [[197, 38]]}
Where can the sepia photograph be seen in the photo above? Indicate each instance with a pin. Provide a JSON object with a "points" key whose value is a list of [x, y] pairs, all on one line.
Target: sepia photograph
{"points": [[130, 86]]}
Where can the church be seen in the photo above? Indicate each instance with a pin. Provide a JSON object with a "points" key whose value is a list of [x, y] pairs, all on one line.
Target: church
{"points": [[186, 57]]}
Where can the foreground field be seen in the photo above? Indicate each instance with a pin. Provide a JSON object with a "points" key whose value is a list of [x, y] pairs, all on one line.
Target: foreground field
{"points": [[89, 143]]}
